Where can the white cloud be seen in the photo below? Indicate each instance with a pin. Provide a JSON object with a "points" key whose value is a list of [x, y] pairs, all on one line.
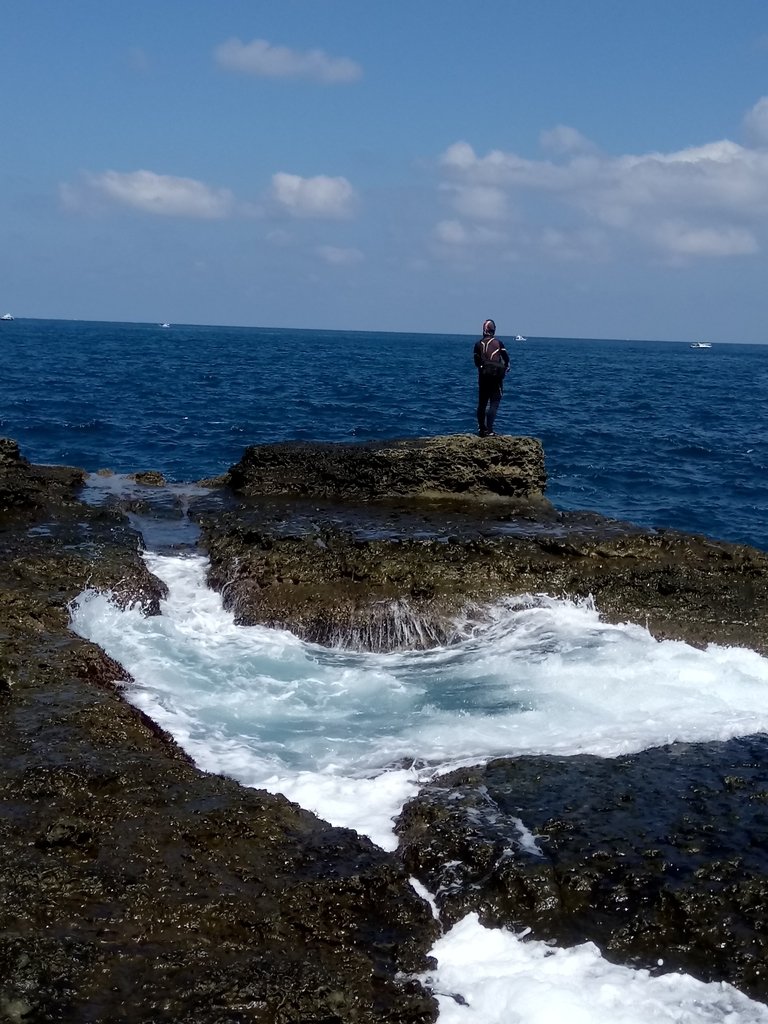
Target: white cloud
{"points": [[756, 122], [451, 232], [679, 238], [563, 139], [459, 157], [265, 60], [338, 256], [320, 196], [479, 202], [455, 233], [709, 200], [160, 194]]}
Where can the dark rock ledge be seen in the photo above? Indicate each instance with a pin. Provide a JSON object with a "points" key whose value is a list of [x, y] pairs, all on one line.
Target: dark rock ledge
{"points": [[657, 856]]}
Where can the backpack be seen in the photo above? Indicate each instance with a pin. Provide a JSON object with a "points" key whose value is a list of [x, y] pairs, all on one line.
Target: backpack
{"points": [[492, 365]]}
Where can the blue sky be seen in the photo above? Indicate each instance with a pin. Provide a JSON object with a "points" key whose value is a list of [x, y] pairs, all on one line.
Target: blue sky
{"points": [[592, 169]]}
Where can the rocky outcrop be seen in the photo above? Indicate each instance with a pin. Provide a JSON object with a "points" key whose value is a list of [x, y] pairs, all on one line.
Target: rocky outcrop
{"points": [[382, 578], [661, 857], [386, 545], [457, 465], [149, 478], [134, 886], [23, 486]]}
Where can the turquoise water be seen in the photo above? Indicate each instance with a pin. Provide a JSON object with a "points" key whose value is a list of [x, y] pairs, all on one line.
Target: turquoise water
{"points": [[653, 432]]}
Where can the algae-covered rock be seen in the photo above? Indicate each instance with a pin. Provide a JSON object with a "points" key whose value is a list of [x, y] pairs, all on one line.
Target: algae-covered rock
{"points": [[377, 577], [660, 857], [149, 478], [387, 545], [23, 486], [134, 886], [460, 465]]}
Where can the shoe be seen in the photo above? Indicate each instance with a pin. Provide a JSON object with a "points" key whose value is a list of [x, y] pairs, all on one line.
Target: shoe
{"points": [[489, 433], [481, 433]]}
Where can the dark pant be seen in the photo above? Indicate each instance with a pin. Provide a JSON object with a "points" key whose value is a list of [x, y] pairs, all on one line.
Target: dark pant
{"points": [[488, 398]]}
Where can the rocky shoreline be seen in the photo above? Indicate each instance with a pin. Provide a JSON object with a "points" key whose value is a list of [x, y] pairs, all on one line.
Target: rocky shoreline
{"points": [[132, 885], [660, 857], [136, 887], [380, 572]]}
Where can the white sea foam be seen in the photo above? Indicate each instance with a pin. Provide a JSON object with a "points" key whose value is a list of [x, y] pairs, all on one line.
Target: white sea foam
{"points": [[490, 976], [351, 736], [340, 731]]}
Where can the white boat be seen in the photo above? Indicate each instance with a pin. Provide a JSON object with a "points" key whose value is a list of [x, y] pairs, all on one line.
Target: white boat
{"points": [[6, 316], [519, 337], [165, 325], [701, 344]]}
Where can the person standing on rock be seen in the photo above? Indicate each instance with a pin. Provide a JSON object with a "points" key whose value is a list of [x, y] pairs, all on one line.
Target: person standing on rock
{"points": [[492, 362]]}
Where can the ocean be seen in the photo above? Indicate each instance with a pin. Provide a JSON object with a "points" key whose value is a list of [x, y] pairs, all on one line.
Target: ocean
{"points": [[654, 432], [651, 432]]}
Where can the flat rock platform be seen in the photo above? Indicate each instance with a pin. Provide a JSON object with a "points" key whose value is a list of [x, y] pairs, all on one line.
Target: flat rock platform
{"points": [[459, 465]]}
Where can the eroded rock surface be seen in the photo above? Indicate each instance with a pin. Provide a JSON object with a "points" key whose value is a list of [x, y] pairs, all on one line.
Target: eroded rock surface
{"points": [[387, 545], [382, 577], [661, 855], [133, 886], [432, 466], [23, 486]]}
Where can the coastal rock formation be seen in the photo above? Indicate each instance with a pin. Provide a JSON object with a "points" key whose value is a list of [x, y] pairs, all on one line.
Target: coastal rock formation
{"points": [[661, 857], [52, 546], [390, 545], [388, 577], [425, 467], [134, 886], [26, 486]]}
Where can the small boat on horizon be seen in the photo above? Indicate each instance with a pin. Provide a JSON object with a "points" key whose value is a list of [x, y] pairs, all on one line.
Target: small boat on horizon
{"points": [[165, 325], [519, 337], [6, 316], [701, 344]]}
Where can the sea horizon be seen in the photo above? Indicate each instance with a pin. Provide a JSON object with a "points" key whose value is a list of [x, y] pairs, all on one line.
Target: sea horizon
{"points": [[400, 332]]}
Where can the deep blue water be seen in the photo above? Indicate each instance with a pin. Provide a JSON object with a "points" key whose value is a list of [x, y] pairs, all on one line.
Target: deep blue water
{"points": [[653, 432]]}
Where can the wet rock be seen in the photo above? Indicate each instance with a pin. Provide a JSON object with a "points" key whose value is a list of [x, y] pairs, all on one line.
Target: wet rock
{"points": [[214, 481], [661, 855], [23, 486], [383, 577], [127, 874], [149, 478], [134, 886], [432, 466]]}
